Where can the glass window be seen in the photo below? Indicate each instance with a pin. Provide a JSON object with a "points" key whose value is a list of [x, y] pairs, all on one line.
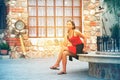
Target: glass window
{"points": [[59, 2], [68, 11], [50, 2], [77, 21], [41, 21], [59, 11], [32, 32], [50, 21], [59, 32], [41, 32], [41, 11], [32, 11], [32, 21], [68, 3], [76, 11], [50, 32], [50, 11], [59, 21], [32, 2], [76, 3], [47, 18], [41, 2]]}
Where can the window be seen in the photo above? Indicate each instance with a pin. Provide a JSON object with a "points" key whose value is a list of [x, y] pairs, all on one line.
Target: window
{"points": [[47, 18]]}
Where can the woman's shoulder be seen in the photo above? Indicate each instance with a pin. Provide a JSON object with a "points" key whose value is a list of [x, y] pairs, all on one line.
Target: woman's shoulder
{"points": [[77, 31]]}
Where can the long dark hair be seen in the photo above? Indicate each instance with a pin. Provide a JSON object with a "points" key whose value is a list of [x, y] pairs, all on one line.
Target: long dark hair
{"points": [[73, 24]]}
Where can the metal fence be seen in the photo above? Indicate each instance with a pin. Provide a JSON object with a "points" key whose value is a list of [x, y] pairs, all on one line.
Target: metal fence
{"points": [[108, 44]]}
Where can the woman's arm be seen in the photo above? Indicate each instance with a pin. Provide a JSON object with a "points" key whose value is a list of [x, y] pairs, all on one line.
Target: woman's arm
{"points": [[66, 41], [78, 33]]}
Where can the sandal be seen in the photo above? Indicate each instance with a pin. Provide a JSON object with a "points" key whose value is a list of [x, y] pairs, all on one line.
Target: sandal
{"points": [[60, 73], [54, 68]]}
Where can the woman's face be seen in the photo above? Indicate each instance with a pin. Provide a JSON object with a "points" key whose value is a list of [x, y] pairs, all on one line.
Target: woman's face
{"points": [[69, 25]]}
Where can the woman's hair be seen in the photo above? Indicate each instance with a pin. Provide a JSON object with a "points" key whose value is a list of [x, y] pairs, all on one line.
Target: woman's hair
{"points": [[73, 24]]}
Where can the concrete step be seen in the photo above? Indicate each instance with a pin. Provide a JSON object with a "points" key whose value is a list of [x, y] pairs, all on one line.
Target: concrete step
{"points": [[4, 56]]}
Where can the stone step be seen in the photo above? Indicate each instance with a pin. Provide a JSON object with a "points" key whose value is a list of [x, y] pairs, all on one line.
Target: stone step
{"points": [[4, 56]]}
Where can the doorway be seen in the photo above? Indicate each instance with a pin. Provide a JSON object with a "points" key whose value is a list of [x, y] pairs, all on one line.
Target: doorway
{"points": [[3, 14]]}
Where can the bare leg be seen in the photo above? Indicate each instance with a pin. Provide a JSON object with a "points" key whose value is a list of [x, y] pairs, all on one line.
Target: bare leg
{"points": [[60, 57], [64, 60]]}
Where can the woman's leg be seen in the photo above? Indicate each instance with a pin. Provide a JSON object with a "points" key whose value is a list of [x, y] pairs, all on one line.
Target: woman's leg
{"points": [[60, 57], [64, 61]]}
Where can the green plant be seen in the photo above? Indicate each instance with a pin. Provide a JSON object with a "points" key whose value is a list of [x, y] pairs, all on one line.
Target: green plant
{"points": [[115, 31], [4, 46]]}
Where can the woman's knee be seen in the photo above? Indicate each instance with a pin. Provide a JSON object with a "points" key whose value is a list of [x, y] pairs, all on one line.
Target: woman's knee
{"points": [[65, 53], [65, 49]]}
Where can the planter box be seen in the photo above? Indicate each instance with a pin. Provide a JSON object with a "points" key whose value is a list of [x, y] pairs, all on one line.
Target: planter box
{"points": [[3, 52], [13, 41]]}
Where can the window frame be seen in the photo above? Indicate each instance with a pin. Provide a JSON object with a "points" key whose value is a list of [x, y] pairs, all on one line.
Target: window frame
{"points": [[55, 27]]}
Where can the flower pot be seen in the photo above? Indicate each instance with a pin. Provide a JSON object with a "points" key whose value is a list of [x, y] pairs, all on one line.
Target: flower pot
{"points": [[4, 52]]}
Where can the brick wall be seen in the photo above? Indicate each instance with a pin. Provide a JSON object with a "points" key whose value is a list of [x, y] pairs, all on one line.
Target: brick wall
{"points": [[17, 9]]}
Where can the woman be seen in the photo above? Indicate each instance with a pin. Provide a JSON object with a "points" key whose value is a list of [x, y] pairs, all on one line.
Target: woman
{"points": [[72, 45]]}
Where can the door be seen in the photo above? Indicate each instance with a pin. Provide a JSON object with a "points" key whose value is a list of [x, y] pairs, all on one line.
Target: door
{"points": [[3, 14]]}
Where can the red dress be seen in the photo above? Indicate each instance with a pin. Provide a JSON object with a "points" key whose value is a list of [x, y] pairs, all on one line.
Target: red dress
{"points": [[75, 40]]}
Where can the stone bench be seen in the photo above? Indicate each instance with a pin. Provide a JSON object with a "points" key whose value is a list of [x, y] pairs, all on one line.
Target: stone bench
{"points": [[103, 65]]}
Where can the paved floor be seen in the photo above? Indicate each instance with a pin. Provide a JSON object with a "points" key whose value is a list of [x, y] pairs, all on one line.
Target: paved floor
{"points": [[38, 69]]}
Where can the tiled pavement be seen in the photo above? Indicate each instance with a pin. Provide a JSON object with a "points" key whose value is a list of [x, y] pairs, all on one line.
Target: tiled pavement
{"points": [[38, 69]]}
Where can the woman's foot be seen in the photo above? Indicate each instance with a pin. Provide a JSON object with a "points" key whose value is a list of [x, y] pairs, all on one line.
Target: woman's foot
{"points": [[62, 72], [54, 68]]}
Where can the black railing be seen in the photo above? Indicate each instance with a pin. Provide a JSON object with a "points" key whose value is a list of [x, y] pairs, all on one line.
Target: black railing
{"points": [[108, 44]]}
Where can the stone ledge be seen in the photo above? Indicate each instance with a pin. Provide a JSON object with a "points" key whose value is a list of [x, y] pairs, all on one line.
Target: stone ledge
{"points": [[4, 56], [103, 65], [108, 53], [100, 58]]}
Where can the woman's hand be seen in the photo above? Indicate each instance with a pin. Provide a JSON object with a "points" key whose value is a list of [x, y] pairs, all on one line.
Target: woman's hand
{"points": [[69, 44], [85, 49]]}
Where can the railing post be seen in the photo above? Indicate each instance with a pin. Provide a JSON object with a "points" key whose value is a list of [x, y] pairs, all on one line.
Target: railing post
{"points": [[106, 43], [98, 43]]}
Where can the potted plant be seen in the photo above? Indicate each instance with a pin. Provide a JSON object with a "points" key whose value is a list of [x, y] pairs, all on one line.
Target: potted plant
{"points": [[115, 33], [4, 48]]}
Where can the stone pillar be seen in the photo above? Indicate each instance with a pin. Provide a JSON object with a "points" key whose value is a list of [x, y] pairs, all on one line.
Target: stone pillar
{"points": [[105, 71], [17, 10], [91, 21]]}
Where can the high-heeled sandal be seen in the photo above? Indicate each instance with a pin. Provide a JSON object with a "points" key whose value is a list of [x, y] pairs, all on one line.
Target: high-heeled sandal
{"points": [[54, 68], [60, 73]]}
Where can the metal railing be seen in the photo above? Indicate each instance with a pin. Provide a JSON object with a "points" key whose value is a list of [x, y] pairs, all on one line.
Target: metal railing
{"points": [[108, 44]]}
